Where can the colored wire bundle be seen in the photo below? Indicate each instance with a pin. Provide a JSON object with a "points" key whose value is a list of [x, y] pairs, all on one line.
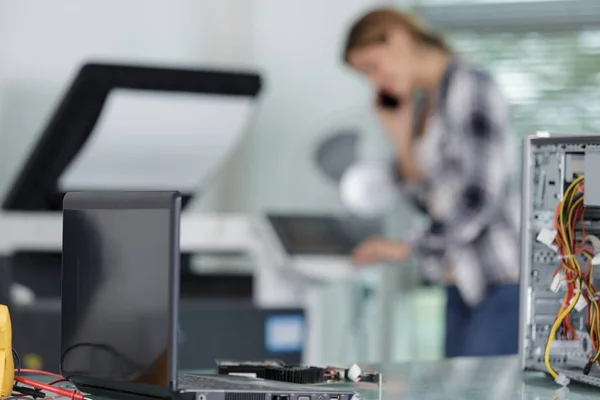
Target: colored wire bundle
{"points": [[579, 281], [35, 389]]}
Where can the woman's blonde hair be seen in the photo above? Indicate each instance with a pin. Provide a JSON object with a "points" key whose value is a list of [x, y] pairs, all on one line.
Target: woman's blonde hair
{"points": [[373, 28]]}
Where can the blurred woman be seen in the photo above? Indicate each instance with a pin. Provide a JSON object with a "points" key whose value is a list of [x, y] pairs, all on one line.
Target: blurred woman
{"points": [[453, 162]]}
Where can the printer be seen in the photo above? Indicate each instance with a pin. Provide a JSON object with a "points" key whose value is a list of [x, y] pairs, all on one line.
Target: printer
{"points": [[133, 127], [127, 127]]}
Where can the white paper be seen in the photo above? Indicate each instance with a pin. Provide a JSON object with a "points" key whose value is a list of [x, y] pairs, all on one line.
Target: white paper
{"points": [[151, 140]]}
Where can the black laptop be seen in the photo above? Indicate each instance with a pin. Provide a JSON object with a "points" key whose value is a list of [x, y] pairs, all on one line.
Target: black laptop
{"points": [[120, 295]]}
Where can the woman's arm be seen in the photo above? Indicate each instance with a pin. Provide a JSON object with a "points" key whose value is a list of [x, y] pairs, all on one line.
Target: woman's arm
{"points": [[406, 164], [469, 183], [398, 123], [380, 249]]}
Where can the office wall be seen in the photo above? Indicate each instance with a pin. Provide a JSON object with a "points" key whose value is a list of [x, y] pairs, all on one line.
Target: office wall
{"points": [[308, 93], [296, 45]]}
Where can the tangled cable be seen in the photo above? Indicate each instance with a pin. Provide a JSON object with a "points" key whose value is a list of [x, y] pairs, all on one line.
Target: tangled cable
{"points": [[580, 290]]}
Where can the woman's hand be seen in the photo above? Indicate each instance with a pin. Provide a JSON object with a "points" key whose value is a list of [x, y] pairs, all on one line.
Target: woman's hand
{"points": [[380, 249]]}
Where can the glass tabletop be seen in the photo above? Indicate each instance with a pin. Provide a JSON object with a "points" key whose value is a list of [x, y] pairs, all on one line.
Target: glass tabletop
{"points": [[493, 378]]}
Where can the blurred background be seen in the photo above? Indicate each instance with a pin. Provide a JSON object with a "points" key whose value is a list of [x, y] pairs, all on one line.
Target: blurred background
{"points": [[544, 54]]}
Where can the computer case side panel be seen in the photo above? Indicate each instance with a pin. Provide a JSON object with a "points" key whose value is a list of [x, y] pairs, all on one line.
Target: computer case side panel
{"points": [[525, 295]]}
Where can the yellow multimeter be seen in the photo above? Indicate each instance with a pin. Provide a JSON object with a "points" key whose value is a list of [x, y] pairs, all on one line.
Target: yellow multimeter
{"points": [[7, 366]]}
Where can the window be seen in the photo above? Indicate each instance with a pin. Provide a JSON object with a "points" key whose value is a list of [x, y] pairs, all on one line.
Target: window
{"points": [[445, 2], [551, 80], [544, 54]]}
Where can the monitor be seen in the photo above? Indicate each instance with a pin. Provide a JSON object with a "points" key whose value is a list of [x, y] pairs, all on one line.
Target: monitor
{"points": [[119, 288]]}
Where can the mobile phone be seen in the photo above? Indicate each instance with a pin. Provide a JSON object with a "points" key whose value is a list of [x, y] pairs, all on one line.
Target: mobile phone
{"points": [[388, 101]]}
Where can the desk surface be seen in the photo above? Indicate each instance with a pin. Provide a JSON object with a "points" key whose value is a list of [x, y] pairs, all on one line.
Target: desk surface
{"points": [[468, 379]]}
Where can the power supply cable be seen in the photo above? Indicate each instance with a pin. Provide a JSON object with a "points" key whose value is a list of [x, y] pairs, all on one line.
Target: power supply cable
{"points": [[570, 265], [568, 213]]}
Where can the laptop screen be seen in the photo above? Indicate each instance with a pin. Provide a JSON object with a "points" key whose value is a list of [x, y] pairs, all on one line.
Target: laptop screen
{"points": [[120, 254], [321, 235]]}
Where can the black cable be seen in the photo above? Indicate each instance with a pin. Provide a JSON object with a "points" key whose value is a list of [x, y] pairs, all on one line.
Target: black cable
{"points": [[124, 363], [18, 359], [588, 367], [33, 392]]}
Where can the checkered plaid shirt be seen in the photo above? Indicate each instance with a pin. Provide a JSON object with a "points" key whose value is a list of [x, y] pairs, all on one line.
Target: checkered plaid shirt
{"points": [[473, 212]]}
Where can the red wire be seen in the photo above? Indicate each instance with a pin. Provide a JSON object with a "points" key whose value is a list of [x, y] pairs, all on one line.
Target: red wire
{"points": [[566, 321], [58, 381], [37, 372], [71, 394]]}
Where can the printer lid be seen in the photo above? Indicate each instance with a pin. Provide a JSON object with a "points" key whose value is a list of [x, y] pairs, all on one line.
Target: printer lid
{"points": [[125, 127]]}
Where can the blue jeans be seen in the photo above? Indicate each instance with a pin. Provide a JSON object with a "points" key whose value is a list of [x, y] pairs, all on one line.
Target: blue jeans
{"points": [[488, 329]]}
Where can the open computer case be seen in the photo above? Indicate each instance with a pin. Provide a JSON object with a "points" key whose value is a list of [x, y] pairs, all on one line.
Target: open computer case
{"points": [[560, 312]]}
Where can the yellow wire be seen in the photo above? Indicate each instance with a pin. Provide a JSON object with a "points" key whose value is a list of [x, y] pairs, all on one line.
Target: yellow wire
{"points": [[594, 321], [572, 209], [555, 327], [569, 194], [595, 318], [568, 200]]}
